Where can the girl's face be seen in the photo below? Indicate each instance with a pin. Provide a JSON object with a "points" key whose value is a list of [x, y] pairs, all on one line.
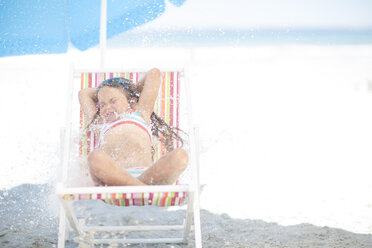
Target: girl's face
{"points": [[112, 102]]}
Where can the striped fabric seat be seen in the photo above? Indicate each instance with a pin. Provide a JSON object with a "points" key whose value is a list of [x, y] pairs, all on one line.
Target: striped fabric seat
{"points": [[163, 199], [167, 107]]}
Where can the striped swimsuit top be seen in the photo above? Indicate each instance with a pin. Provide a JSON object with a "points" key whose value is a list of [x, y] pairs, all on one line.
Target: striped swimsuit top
{"points": [[134, 118]]}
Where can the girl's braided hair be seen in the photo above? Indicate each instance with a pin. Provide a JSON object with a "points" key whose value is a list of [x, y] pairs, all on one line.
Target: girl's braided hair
{"points": [[167, 134]]}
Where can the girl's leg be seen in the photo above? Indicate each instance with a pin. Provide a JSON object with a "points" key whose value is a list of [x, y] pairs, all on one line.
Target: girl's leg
{"points": [[105, 171], [167, 169]]}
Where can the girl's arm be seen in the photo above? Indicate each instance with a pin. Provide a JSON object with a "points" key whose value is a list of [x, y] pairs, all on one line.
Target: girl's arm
{"points": [[141, 83], [88, 99], [150, 84]]}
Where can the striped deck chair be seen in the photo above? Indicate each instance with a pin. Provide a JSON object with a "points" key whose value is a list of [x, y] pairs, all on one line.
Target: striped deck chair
{"points": [[170, 105]]}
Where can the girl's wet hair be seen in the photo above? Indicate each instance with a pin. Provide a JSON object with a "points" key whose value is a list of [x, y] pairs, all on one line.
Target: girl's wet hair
{"points": [[119, 81], [159, 128]]}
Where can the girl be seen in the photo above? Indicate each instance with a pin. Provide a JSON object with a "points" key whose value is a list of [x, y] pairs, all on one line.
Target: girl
{"points": [[124, 113]]}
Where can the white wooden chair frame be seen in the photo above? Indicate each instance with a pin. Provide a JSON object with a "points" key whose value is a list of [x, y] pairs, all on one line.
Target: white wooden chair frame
{"points": [[192, 216]]}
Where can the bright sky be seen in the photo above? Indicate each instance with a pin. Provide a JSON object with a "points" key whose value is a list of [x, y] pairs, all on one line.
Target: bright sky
{"points": [[266, 14]]}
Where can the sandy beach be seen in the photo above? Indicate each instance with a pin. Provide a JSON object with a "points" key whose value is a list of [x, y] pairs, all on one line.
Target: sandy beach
{"points": [[285, 136]]}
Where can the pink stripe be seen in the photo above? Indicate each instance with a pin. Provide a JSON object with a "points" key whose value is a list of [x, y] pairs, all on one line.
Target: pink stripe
{"points": [[136, 199], [95, 140], [90, 80], [171, 98]]}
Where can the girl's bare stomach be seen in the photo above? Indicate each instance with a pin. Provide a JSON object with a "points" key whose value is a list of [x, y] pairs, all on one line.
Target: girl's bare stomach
{"points": [[128, 145]]}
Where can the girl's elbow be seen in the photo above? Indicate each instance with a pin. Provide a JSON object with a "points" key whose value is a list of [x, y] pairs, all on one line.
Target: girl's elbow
{"points": [[80, 94]]}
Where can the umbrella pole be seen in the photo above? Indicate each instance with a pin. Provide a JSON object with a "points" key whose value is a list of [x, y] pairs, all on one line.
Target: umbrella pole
{"points": [[103, 32]]}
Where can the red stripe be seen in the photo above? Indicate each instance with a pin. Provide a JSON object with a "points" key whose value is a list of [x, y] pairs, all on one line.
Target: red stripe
{"points": [[128, 122], [171, 98], [151, 196], [126, 201], [173, 202], [134, 199]]}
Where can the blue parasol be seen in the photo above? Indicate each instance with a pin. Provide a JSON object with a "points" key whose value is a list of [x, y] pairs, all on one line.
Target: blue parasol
{"points": [[48, 26]]}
